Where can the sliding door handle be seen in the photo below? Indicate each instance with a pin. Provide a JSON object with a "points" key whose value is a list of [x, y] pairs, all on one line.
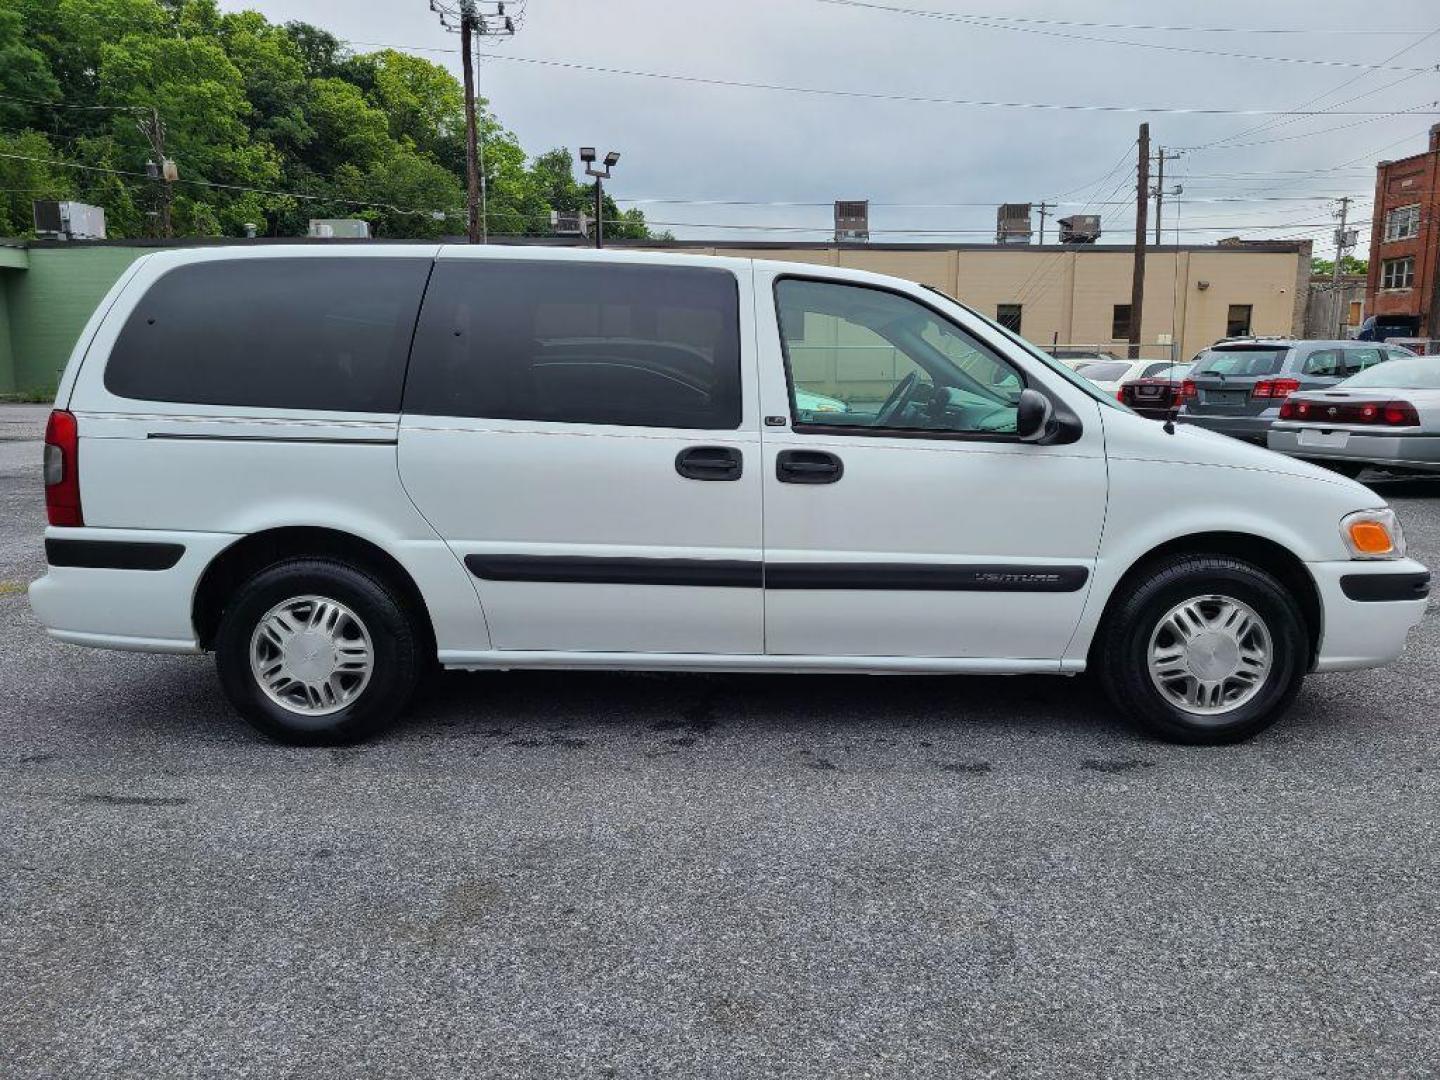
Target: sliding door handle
{"points": [[808, 467], [710, 463]]}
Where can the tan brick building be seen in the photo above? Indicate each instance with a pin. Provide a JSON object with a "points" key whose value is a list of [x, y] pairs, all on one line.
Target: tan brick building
{"points": [[1080, 294]]}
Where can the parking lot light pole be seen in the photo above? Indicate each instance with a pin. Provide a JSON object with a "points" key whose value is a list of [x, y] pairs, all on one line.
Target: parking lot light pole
{"points": [[587, 155]]}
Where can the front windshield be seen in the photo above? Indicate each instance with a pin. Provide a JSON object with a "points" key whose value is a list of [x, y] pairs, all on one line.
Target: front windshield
{"points": [[1408, 373], [1051, 364]]}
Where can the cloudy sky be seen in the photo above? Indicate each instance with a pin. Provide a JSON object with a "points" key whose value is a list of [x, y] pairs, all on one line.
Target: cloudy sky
{"points": [[712, 160]]}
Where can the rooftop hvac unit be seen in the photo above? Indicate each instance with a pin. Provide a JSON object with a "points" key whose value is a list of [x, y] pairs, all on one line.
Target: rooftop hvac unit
{"points": [[569, 223], [1012, 223], [1080, 229], [852, 220], [56, 220], [340, 228]]}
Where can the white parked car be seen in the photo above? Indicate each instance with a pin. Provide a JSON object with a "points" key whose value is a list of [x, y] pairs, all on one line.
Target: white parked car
{"points": [[1110, 375], [334, 466], [1387, 416]]}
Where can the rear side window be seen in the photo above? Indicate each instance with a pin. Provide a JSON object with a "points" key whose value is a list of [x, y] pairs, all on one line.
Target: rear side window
{"points": [[579, 343], [1239, 362], [319, 334], [1341, 363]]}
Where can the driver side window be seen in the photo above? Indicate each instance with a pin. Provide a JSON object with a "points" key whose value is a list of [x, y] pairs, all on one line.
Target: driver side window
{"points": [[867, 358]]}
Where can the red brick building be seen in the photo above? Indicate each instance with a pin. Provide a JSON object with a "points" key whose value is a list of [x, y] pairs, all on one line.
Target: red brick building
{"points": [[1405, 243]]}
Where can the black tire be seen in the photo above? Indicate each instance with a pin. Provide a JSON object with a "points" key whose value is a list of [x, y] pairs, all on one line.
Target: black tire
{"points": [[1122, 649], [1352, 469], [395, 641]]}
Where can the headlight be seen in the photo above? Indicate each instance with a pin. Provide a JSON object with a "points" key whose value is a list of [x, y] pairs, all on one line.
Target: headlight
{"points": [[1373, 534]]}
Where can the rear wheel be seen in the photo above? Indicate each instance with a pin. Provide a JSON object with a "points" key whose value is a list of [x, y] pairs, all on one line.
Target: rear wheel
{"points": [[313, 651], [1204, 650]]}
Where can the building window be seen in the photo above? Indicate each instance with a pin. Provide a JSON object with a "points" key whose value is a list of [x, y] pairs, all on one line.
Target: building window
{"points": [[1008, 316], [1357, 313], [1402, 223], [1120, 323], [1397, 273], [1237, 320]]}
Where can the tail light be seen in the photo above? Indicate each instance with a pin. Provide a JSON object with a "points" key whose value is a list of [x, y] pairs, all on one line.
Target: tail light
{"points": [[1275, 388], [62, 470], [1389, 413], [1187, 391], [1120, 395]]}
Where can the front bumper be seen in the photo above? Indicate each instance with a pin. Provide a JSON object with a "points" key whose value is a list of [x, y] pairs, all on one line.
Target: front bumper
{"points": [[130, 590], [1399, 451], [1369, 631]]}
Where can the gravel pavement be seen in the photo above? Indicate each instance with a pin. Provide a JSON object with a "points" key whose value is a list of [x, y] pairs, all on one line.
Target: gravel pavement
{"points": [[596, 875]]}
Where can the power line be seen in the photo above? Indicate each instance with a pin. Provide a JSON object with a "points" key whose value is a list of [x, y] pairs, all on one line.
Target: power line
{"points": [[1163, 28], [909, 99], [988, 24]]}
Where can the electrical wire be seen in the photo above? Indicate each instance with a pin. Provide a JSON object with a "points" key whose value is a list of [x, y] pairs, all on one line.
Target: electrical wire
{"points": [[983, 23]]}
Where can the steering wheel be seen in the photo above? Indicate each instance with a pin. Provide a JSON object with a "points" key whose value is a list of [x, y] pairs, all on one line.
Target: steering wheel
{"points": [[897, 400]]}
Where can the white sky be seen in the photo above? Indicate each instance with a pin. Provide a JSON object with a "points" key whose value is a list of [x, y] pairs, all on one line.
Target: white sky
{"points": [[701, 142]]}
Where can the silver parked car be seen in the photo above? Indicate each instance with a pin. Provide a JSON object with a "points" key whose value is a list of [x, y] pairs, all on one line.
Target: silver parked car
{"points": [[1387, 416], [1237, 387]]}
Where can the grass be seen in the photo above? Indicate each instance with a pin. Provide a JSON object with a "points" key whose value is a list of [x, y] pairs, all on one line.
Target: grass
{"points": [[27, 397], [11, 588]]}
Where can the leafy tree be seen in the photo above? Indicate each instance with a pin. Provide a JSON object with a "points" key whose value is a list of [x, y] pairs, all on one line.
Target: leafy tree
{"points": [[1348, 265], [268, 124]]}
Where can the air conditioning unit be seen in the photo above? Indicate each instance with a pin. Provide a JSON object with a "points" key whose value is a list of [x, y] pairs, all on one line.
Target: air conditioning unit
{"points": [[343, 228], [1080, 229], [852, 220], [56, 220], [1012, 223], [569, 223]]}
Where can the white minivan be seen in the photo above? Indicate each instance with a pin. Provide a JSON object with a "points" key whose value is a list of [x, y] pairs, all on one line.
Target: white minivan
{"points": [[335, 465]]}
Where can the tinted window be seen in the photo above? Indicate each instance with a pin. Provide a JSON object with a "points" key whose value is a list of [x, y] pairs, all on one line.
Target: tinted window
{"points": [[580, 343], [1341, 363], [867, 358], [1239, 362], [1406, 373], [327, 334], [1103, 372]]}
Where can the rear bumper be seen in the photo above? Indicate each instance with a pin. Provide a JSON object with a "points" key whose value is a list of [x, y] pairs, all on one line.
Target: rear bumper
{"points": [[1407, 451], [127, 589], [1249, 428], [1368, 610]]}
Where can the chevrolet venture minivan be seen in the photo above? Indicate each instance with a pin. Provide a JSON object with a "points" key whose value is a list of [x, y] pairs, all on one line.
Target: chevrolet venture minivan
{"points": [[334, 466]]}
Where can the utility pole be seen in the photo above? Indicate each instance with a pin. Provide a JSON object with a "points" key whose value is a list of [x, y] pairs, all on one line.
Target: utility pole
{"points": [[465, 17], [159, 167], [474, 223], [1043, 209], [1342, 244], [1160, 192], [1142, 205]]}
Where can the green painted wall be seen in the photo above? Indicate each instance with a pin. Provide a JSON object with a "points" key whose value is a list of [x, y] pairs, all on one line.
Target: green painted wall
{"points": [[49, 304], [7, 354]]}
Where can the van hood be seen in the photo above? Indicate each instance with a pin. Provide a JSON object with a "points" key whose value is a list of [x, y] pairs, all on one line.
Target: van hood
{"points": [[1134, 437]]}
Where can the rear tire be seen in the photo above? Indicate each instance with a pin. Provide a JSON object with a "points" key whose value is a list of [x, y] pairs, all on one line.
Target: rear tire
{"points": [[1205, 650], [318, 652]]}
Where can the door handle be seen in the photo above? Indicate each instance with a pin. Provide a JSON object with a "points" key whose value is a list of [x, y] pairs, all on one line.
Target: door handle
{"points": [[808, 467], [710, 463]]}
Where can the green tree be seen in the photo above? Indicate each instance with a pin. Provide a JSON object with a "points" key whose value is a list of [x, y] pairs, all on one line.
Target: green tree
{"points": [[1349, 265]]}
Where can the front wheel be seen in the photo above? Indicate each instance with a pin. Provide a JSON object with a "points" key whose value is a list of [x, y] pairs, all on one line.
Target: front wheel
{"points": [[317, 652], [1206, 650]]}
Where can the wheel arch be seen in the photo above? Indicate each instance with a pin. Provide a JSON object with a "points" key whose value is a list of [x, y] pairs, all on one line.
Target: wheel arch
{"points": [[1269, 555], [252, 553]]}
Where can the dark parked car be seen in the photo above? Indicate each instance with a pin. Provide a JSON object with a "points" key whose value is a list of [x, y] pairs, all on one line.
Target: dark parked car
{"points": [[1237, 387], [1156, 392]]}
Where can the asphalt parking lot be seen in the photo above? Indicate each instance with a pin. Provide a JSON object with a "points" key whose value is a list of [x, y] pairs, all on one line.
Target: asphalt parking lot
{"points": [[591, 875]]}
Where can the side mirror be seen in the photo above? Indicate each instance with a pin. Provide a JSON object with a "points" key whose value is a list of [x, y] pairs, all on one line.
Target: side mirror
{"points": [[1033, 413]]}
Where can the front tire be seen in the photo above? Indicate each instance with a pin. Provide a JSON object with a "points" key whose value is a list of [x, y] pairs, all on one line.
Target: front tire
{"points": [[317, 652], [1206, 650]]}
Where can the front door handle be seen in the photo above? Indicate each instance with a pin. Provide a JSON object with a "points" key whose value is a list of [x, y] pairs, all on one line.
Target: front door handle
{"points": [[808, 467], [710, 463]]}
